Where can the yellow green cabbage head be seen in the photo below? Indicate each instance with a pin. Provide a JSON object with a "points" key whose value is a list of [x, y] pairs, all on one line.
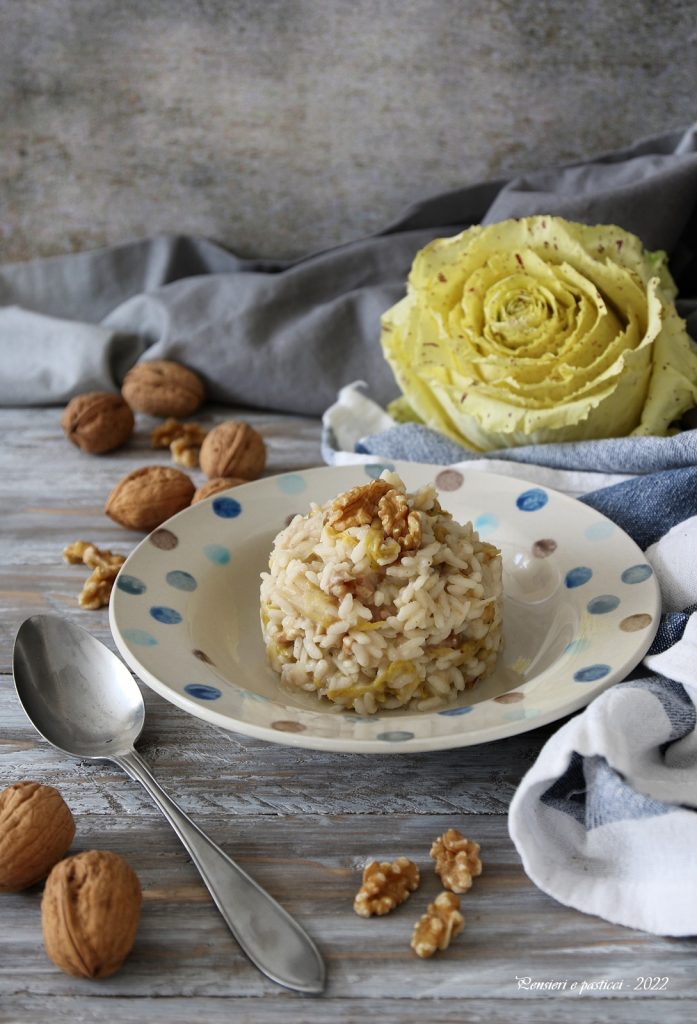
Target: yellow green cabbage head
{"points": [[539, 330]]}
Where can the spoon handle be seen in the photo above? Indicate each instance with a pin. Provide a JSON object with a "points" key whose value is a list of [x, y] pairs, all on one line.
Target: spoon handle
{"points": [[269, 936]]}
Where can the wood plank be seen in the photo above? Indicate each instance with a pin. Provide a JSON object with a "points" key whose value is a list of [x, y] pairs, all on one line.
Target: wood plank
{"points": [[353, 1010], [312, 865]]}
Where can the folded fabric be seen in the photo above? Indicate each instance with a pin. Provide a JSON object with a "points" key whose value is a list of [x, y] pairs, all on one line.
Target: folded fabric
{"points": [[605, 819], [287, 335]]}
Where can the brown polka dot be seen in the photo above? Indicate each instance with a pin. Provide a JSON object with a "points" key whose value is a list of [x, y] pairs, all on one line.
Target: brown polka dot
{"points": [[543, 548], [510, 698], [202, 656], [449, 480], [634, 622], [165, 540], [288, 726]]}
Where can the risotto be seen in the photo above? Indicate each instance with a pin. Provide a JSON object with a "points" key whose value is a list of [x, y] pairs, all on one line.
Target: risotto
{"points": [[379, 599]]}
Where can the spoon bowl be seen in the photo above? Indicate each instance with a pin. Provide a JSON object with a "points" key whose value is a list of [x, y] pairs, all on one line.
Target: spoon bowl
{"points": [[78, 694], [84, 701]]}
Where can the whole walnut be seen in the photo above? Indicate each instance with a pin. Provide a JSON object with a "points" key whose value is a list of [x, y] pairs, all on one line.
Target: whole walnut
{"points": [[97, 422], [148, 496], [36, 829], [90, 913], [215, 486], [163, 388], [233, 448]]}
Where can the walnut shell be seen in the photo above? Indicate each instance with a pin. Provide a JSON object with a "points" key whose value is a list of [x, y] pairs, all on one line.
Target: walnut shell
{"points": [[90, 912], [36, 828], [97, 422], [163, 388], [233, 448], [214, 486], [148, 496]]}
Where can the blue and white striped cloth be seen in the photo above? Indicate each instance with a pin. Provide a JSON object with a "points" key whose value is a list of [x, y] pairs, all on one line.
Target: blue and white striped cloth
{"points": [[605, 821]]}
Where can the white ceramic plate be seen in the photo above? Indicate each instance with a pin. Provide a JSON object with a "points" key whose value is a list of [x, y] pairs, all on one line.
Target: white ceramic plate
{"points": [[581, 608]]}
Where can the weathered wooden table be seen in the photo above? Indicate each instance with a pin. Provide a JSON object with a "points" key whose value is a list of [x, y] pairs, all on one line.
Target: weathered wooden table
{"points": [[302, 822]]}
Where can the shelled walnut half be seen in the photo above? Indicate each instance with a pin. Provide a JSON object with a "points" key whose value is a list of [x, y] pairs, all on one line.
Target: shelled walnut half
{"points": [[457, 860], [105, 566], [438, 926], [184, 440], [385, 885]]}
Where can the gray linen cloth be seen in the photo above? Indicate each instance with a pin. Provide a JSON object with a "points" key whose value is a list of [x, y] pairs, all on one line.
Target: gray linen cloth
{"points": [[287, 335]]}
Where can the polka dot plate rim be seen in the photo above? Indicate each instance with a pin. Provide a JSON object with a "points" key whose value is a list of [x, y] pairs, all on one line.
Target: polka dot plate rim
{"points": [[581, 609]]}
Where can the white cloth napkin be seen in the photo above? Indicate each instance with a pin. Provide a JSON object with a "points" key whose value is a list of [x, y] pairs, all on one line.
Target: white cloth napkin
{"points": [[605, 819]]}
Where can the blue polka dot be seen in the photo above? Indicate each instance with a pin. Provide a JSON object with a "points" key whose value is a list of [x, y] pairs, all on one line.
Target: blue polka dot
{"points": [[217, 554], [578, 576], [577, 646], [131, 585], [603, 604], [202, 692], [599, 531], [181, 580], [637, 573], [532, 500], [454, 712], [168, 616], [591, 672], [374, 469], [486, 523], [140, 637], [395, 737], [292, 483], [226, 508]]}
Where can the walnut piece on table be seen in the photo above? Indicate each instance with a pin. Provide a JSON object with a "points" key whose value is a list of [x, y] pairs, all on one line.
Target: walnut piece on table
{"points": [[385, 886], [438, 926], [457, 860], [184, 440], [97, 587], [105, 567]]}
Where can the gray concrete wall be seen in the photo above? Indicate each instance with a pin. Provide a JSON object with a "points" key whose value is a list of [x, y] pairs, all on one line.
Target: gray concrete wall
{"points": [[279, 126]]}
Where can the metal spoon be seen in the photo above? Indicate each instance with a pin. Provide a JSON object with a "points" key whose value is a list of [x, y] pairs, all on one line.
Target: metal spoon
{"points": [[84, 701]]}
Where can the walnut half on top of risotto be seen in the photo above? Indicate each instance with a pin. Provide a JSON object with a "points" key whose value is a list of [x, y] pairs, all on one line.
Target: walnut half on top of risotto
{"points": [[379, 599]]}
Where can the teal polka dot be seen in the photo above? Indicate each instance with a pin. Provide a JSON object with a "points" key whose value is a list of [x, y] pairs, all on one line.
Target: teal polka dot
{"points": [[217, 554], [181, 580], [592, 672], [486, 523], [455, 712], [395, 737], [131, 585], [603, 604], [532, 500], [291, 483], [637, 573], [599, 531], [168, 616], [578, 576], [374, 469], [226, 508], [577, 646], [202, 692], [139, 637]]}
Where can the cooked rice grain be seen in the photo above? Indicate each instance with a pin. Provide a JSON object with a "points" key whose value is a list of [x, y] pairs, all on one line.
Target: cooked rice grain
{"points": [[415, 631]]}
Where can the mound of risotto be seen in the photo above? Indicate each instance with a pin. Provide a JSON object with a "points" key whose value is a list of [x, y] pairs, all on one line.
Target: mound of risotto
{"points": [[379, 599]]}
